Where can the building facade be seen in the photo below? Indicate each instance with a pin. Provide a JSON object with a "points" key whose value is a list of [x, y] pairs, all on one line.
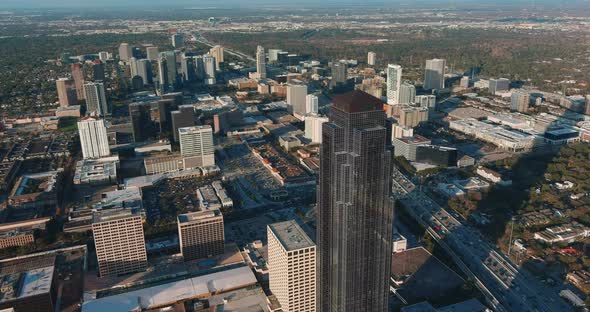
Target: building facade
{"points": [[66, 92], [434, 76], [394, 80], [93, 138], [196, 146], [201, 234], [260, 63], [96, 100]]}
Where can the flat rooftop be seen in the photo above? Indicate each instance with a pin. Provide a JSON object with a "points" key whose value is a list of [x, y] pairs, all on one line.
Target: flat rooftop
{"points": [[26, 284], [357, 101], [291, 235], [198, 215], [113, 214]]}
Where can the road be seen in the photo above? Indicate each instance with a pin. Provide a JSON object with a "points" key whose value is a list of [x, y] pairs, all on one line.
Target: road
{"points": [[200, 39], [507, 287]]}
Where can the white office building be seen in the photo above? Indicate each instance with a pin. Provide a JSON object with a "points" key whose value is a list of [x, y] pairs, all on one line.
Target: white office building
{"points": [[260, 62], [394, 80], [407, 93], [93, 138], [434, 76], [313, 127], [296, 99], [311, 104], [371, 58], [96, 100], [196, 146], [209, 69]]}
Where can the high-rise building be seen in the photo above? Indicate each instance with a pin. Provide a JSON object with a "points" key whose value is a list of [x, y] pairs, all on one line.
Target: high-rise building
{"points": [[119, 241], [141, 68], [196, 145], [464, 83], [66, 92], [371, 58], [103, 56], [217, 53], [209, 70], [587, 105], [78, 76], [178, 40], [498, 85], [412, 116], [260, 62], [96, 100], [152, 53], [434, 76], [201, 234], [313, 127], [407, 93], [520, 101], [394, 80], [142, 126], [273, 55], [296, 98], [292, 267], [311, 104], [187, 66], [125, 52], [355, 210], [93, 138], [98, 71], [181, 118], [338, 72], [199, 68], [426, 101], [167, 70]]}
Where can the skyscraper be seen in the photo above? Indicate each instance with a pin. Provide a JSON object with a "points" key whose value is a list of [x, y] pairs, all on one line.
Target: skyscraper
{"points": [[178, 40], [66, 92], [152, 53], [371, 58], [96, 100], [196, 146], [141, 68], [141, 121], [181, 118], [78, 76], [394, 80], [209, 70], [125, 52], [217, 53], [201, 234], [273, 55], [407, 93], [167, 70], [520, 101], [296, 98], [292, 267], [501, 84], [338, 72], [434, 76], [93, 138], [313, 127], [187, 67], [120, 243], [355, 210], [311, 104], [260, 62]]}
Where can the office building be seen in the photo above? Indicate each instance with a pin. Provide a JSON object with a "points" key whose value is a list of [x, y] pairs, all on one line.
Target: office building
{"points": [[292, 267], [412, 116], [143, 127], [226, 120], [201, 234], [141, 68], [93, 138], [408, 146], [426, 101], [273, 55], [181, 118], [260, 63], [178, 40], [371, 58], [520, 101], [437, 155], [499, 85], [311, 104], [167, 70], [464, 83], [66, 92], [125, 52], [217, 53], [196, 146], [98, 71], [96, 100], [355, 210], [78, 76], [209, 69], [338, 73], [103, 56], [434, 76], [152, 53], [407, 93], [296, 98], [394, 80], [373, 86], [119, 241], [313, 127], [187, 69]]}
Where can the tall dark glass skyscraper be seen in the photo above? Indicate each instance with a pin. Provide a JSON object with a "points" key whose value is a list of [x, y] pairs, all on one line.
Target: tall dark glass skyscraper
{"points": [[355, 208]]}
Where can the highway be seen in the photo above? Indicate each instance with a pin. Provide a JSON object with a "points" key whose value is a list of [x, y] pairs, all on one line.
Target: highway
{"points": [[506, 287], [198, 38]]}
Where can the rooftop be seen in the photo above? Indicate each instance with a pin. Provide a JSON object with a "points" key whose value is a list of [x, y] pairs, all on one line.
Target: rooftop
{"points": [[291, 235], [357, 101], [198, 215]]}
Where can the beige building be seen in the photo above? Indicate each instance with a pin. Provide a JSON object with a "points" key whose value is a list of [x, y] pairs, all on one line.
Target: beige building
{"points": [[66, 92], [201, 234], [292, 267], [119, 241], [217, 53]]}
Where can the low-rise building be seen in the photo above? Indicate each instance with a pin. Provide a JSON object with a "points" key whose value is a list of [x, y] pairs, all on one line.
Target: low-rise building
{"points": [[493, 176], [97, 171], [567, 233]]}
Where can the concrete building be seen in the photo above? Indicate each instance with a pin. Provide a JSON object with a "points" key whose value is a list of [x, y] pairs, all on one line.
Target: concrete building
{"points": [[408, 146], [520, 101], [499, 85], [464, 83], [296, 98], [407, 93], [394, 80], [260, 63], [313, 127], [338, 72], [412, 116], [209, 68], [371, 58], [119, 241], [100, 171], [311, 104], [181, 118], [78, 76], [434, 76], [125, 52], [141, 68], [426, 101], [178, 40], [273, 55], [96, 100], [217, 53], [292, 267], [201, 234], [93, 138], [196, 146], [66, 92], [167, 70], [143, 127], [152, 53]]}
